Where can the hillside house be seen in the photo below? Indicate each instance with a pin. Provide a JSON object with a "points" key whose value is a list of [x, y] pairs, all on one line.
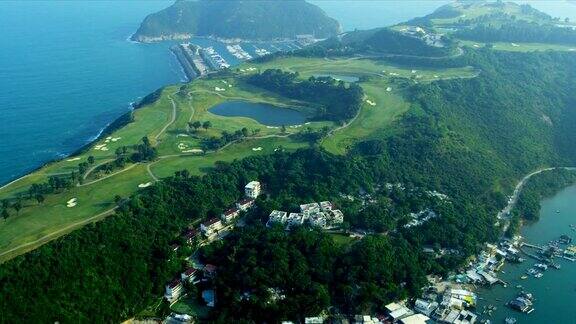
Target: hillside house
{"points": [[245, 204], [277, 217], [190, 275], [173, 290], [252, 189], [211, 226], [229, 215]]}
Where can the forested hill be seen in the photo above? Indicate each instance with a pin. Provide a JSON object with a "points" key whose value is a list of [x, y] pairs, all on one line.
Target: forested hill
{"points": [[237, 19], [387, 41]]}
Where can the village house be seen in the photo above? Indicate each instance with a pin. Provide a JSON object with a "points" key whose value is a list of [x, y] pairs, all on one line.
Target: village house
{"points": [[190, 236], [252, 189], [211, 227], [245, 204], [173, 290], [190, 275], [229, 215], [277, 217], [319, 215]]}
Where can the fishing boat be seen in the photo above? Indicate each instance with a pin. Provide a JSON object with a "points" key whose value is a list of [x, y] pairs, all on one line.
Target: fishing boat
{"points": [[524, 277]]}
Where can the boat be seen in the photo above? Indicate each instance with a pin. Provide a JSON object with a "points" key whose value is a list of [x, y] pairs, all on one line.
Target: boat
{"points": [[531, 271], [524, 277], [538, 275], [541, 266], [510, 320]]}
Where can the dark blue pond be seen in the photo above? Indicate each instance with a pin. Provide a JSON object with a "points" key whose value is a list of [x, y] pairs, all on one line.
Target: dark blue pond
{"points": [[265, 114]]}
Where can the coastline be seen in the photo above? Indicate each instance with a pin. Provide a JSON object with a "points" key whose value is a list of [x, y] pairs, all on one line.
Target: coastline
{"points": [[112, 126]]}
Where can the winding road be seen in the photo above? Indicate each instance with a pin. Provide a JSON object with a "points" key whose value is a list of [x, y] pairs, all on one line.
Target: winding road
{"points": [[505, 213]]}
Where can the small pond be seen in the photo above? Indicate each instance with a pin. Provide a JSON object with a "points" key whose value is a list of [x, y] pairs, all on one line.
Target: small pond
{"points": [[265, 114], [345, 78]]}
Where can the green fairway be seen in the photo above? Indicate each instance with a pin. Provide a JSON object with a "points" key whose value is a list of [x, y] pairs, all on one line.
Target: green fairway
{"points": [[521, 47]]}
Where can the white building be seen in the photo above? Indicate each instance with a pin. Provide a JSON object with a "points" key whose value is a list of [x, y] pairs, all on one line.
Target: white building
{"points": [[252, 189], [189, 275], [306, 208], [325, 205], [245, 204], [173, 290], [294, 219], [229, 215], [211, 226], [277, 217]]}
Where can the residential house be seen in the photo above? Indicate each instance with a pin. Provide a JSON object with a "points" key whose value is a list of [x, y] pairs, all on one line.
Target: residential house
{"points": [[245, 204], [425, 307], [294, 219], [326, 205], [308, 208], [229, 215], [252, 189], [173, 290], [190, 236], [277, 217], [190, 275], [211, 226], [416, 319]]}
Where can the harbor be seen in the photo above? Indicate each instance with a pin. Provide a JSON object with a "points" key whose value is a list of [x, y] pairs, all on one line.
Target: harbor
{"points": [[200, 56], [547, 272]]}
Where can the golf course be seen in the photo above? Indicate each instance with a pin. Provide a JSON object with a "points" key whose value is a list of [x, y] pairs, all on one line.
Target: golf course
{"points": [[166, 122]]}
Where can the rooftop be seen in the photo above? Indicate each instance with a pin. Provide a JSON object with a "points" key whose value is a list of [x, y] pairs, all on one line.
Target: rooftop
{"points": [[252, 185]]}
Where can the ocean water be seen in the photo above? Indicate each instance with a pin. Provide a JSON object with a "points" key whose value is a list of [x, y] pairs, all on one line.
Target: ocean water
{"points": [[555, 292], [66, 71]]}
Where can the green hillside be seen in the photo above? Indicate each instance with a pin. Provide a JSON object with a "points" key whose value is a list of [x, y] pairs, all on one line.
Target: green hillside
{"points": [[237, 19]]}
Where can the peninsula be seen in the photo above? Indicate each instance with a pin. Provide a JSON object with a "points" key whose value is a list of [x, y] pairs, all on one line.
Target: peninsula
{"points": [[250, 20]]}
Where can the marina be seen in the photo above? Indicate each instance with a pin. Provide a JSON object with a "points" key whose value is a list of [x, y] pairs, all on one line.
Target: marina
{"points": [[547, 273]]}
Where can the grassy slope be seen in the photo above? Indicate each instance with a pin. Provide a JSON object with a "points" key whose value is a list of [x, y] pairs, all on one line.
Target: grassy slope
{"points": [[521, 47]]}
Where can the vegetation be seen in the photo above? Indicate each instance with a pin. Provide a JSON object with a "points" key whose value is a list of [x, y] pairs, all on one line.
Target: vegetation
{"points": [[336, 101], [542, 186], [237, 19], [520, 32]]}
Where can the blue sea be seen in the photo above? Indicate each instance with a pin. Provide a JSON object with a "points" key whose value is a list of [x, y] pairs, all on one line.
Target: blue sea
{"points": [[67, 69]]}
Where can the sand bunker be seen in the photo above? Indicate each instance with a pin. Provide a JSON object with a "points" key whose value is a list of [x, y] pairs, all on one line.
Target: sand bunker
{"points": [[114, 139], [219, 89], [476, 45], [514, 45], [414, 71], [182, 135], [371, 103], [101, 147], [272, 127], [73, 159], [394, 74], [256, 149], [193, 151], [388, 89], [71, 203], [145, 185]]}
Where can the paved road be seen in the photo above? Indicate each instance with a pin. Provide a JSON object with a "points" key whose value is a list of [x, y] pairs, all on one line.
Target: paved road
{"points": [[505, 213]]}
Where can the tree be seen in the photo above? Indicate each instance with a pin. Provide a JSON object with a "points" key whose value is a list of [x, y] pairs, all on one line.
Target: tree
{"points": [[17, 206], [5, 204], [206, 125], [256, 131], [39, 198], [197, 124], [117, 200], [245, 132], [5, 214], [283, 129], [91, 159]]}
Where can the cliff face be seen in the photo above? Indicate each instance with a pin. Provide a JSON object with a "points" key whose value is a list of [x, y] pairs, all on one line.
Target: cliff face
{"points": [[252, 20]]}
